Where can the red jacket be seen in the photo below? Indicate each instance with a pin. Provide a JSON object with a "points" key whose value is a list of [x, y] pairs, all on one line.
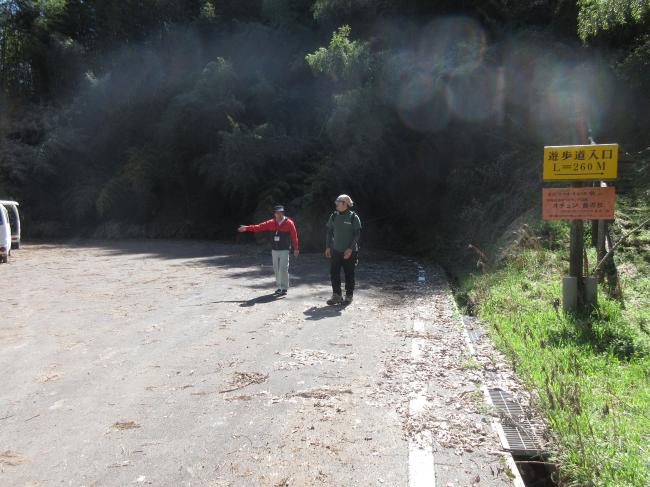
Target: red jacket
{"points": [[285, 232]]}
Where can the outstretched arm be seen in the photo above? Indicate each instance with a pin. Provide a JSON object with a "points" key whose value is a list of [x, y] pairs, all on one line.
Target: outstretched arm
{"points": [[260, 227]]}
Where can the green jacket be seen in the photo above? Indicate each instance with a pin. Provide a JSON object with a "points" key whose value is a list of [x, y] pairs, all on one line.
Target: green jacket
{"points": [[343, 231]]}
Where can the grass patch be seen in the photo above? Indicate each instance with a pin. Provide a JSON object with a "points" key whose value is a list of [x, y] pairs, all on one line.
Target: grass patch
{"points": [[470, 364], [591, 373]]}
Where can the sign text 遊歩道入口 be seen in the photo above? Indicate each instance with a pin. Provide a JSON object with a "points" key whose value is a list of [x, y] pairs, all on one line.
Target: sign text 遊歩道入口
{"points": [[596, 162]]}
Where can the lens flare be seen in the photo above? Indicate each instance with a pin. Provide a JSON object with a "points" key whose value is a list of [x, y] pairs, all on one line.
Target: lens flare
{"points": [[565, 97], [473, 96], [398, 69], [452, 45], [433, 82], [422, 104]]}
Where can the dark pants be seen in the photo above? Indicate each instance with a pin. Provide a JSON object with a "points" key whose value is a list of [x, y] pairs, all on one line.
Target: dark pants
{"points": [[337, 261]]}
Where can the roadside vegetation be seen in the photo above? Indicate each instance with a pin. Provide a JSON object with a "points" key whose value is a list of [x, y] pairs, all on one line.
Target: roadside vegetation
{"points": [[590, 373]]}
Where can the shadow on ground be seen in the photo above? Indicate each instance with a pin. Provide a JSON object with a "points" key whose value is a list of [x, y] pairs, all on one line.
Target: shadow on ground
{"points": [[378, 271], [316, 313], [264, 299]]}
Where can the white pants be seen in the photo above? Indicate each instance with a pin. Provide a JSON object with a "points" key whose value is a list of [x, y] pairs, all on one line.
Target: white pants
{"points": [[281, 268]]}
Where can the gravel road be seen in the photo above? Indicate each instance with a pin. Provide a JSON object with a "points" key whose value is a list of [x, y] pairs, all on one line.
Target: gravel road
{"points": [[168, 363]]}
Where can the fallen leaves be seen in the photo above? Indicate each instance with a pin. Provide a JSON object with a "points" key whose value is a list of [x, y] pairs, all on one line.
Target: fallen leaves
{"points": [[126, 425], [454, 405], [322, 392], [300, 358], [245, 379], [244, 397], [51, 377], [12, 458]]}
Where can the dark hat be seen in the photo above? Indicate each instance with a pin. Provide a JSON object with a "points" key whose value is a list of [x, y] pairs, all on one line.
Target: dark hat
{"points": [[278, 208]]}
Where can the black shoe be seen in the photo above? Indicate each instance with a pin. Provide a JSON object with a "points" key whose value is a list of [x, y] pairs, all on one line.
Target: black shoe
{"points": [[283, 292], [277, 291], [348, 299], [335, 299]]}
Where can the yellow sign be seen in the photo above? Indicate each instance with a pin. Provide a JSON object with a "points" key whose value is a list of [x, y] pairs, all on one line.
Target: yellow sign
{"points": [[594, 162]]}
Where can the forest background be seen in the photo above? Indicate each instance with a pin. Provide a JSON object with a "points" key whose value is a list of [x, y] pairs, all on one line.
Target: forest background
{"points": [[184, 118]]}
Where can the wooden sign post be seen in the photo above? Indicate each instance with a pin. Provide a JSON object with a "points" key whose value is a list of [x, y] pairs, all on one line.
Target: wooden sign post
{"points": [[595, 162]]}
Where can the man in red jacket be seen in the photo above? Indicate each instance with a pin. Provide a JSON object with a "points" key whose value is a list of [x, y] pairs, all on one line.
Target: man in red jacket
{"points": [[283, 236]]}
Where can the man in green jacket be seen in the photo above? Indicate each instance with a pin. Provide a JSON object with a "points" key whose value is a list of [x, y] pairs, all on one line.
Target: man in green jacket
{"points": [[342, 247]]}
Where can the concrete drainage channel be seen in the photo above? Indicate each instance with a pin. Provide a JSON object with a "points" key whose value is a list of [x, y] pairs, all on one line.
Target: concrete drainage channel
{"points": [[517, 434], [523, 454]]}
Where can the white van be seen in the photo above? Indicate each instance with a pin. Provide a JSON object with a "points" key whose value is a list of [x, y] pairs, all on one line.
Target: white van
{"points": [[14, 222], [5, 235]]}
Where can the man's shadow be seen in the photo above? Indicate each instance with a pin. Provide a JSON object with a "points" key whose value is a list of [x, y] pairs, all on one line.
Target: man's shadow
{"points": [[316, 313], [266, 298]]}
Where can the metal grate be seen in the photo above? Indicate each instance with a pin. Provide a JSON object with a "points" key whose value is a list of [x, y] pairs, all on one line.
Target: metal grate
{"points": [[518, 433]]}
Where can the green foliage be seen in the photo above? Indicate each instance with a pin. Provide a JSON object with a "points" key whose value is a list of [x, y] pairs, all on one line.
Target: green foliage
{"points": [[207, 10], [229, 107], [343, 60], [590, 373], [356, 120], [635, 66], [192, 118], [51, 9], [602, 15], [634, 258], [553, 234], [333, 9]]}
